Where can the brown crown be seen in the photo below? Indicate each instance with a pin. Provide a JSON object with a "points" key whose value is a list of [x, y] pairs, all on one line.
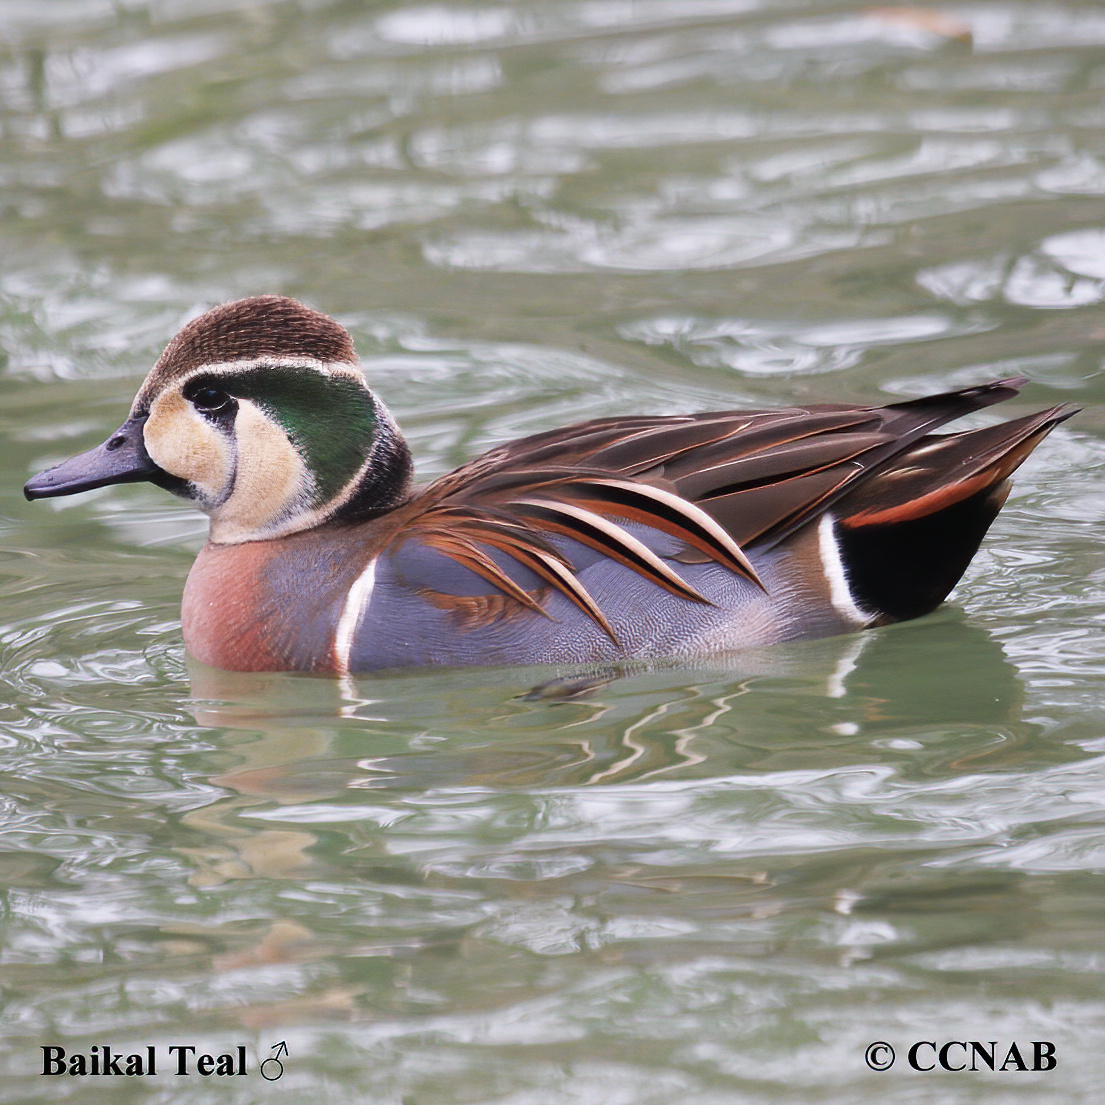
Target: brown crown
{"points": [[251, 329]]}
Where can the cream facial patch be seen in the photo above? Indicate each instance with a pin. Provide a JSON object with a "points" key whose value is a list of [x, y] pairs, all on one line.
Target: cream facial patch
{"points": [[186, 445]]}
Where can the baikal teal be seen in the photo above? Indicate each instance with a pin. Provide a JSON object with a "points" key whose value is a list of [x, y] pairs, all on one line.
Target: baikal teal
{"points": [[181, 1060], [617, 538]]}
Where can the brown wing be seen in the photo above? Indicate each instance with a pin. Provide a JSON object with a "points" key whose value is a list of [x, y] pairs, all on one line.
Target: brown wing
{"points": [[720, 483]]}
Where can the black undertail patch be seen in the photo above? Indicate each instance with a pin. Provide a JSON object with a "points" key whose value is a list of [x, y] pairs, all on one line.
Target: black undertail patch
{"points": [[904, 569]]}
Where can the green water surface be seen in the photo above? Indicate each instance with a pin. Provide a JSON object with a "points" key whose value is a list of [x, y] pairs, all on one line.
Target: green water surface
{"points": [[695, 884]]}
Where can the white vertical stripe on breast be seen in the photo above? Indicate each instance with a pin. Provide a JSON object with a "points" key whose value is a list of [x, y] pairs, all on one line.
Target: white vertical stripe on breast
{"points": [[840, 594], [356, 604]]}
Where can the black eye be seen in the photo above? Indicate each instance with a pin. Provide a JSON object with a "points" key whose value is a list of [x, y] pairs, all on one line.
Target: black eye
{"points": [[208, 399]]}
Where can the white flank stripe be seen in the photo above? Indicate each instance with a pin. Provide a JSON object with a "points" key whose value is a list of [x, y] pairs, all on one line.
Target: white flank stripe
{"points": [[839, 591], [356, 603]]}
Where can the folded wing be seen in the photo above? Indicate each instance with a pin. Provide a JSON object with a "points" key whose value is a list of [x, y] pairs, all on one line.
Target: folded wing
{"points": [[733, 484]]}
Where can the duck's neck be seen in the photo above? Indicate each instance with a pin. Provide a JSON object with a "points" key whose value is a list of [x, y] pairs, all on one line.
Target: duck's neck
{"points": [[386, 476]]}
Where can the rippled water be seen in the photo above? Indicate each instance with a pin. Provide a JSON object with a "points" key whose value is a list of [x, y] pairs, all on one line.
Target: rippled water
{"points": [[700, 884]]}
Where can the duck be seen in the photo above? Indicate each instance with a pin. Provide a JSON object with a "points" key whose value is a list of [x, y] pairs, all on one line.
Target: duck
{"points": [[636, 537]]}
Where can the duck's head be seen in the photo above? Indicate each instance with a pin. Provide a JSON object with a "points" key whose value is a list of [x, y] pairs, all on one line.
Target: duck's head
{"points": [[259, 413]]}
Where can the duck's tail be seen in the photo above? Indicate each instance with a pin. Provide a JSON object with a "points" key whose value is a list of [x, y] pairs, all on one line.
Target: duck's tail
{"points": [[908, 531]]}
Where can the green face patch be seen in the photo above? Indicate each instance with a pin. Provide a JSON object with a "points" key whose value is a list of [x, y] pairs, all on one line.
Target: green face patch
{"points": [[330, 420]]}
